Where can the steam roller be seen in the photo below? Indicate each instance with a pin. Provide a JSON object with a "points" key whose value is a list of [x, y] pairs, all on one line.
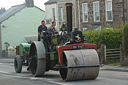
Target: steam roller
{"points": [[65, 52]]}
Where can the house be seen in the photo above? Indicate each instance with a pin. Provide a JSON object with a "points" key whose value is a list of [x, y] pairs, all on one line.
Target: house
{"points": [[2, 10], [51, 12], [91, 14], [62, 17], [102, 13], [19, 22]]}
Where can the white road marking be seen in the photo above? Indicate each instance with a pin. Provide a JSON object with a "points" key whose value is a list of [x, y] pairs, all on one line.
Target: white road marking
{"points": [[5, 72], [14, 76], [31, 78], [56, 83], [49, 80], [34, 78]]}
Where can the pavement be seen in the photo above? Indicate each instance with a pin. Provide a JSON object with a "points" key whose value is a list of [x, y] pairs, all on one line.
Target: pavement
{"points": [[6, 60], [105, 67], [115, 68]]}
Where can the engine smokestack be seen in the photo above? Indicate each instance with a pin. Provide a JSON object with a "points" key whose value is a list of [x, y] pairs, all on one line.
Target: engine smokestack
{"points": [[69, 16]]}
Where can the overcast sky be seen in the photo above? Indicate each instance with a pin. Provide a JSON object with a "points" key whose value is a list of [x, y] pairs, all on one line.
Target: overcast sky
{"points": [[8, 3]]}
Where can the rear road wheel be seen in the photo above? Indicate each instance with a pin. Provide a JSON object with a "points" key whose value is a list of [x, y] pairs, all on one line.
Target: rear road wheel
{"points": [[18, 64]]}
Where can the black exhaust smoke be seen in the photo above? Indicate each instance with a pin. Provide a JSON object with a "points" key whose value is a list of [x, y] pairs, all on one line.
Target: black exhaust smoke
{"points": [[69, 16]]}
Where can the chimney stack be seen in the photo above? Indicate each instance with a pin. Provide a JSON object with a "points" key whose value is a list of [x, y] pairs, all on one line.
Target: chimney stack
{"points": [[29, 3], [3, 8]]}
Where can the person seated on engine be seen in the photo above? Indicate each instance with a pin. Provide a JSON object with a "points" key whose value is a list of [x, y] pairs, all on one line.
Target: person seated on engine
{"points": [[41, 28], [52, 28], [63, 27]]}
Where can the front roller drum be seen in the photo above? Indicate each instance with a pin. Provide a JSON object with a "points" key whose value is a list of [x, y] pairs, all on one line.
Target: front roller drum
{"points": [[38, 64], [81, 64]]}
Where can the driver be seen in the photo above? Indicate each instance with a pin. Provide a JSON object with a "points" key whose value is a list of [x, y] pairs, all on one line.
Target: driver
{"points": [[52, 28], [41, 28]]}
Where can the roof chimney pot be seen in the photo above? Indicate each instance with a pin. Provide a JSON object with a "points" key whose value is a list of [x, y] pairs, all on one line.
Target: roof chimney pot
{"points": [[29, 3]]}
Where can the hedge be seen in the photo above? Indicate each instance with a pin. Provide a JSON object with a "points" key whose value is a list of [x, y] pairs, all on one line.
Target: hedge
{"points": [[112, 38]]}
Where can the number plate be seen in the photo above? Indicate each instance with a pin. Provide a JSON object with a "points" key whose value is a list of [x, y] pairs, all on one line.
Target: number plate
{"points": [[78, 47]]}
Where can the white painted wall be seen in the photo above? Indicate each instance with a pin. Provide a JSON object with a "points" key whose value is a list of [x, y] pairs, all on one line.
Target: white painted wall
{"points": [[49, 14], [22, 24]]}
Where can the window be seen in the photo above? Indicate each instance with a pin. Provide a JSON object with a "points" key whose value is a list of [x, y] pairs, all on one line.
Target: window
{"points": [[61, 14], [85, 12], [109, 15], [96, 11], [53, 13]]}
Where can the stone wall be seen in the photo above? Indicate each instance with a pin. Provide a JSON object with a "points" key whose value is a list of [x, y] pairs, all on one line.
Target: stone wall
{"points": [[126, 10]]}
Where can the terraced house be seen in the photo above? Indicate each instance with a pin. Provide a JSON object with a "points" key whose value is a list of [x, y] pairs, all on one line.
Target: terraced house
{"points": [[103, 13], [89, 14]]}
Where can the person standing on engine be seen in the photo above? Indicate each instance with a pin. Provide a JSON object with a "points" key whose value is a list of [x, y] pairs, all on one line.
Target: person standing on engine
{"points": [[41, 28], [52, 28]]}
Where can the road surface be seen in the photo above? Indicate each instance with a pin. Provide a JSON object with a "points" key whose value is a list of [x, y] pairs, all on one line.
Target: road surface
{"points": [[9, 77]]}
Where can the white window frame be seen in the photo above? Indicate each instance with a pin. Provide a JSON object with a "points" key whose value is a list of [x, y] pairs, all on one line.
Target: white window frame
{"points": [[94, 11], [108, 10], [61, 14], [54, 14], [84, 11]]}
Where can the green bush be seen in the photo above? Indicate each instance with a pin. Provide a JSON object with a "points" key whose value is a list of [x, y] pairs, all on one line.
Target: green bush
{"points": [[112, 38]]}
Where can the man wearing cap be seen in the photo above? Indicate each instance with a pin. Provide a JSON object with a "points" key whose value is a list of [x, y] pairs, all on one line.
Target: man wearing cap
{"points": [[52, 28], [41, 28]]}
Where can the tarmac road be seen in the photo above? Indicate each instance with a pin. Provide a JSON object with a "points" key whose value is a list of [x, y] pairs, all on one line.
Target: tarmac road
{"points": [[9, 77]]}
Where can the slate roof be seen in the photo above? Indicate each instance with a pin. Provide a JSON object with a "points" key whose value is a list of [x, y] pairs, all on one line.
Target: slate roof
{"points": [[10, 12], [53, 1], [13, 10]]}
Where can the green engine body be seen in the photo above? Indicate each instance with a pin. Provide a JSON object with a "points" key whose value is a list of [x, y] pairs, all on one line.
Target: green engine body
{"points": [[24, 48], [54, 41]]}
